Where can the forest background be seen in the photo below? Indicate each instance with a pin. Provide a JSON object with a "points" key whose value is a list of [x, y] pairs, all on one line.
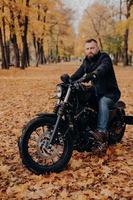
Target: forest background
{"points": [[37, 32]]}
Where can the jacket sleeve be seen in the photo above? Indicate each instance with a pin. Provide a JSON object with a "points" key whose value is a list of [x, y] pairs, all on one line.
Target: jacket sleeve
{"points": [[104, 67], [78, 74]]}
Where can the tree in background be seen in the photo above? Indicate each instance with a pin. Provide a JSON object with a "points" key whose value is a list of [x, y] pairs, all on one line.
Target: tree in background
{"points": [[99, 22], [13, 32], [36, 30], [128, 5], [111, 24], [3, 40], [96, 22]]}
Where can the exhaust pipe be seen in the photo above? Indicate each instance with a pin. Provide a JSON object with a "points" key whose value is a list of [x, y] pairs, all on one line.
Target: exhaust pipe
{"points": [[128, 120]]}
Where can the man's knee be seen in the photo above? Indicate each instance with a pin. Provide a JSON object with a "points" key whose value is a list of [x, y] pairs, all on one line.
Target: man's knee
{"points": [[105, 102]]}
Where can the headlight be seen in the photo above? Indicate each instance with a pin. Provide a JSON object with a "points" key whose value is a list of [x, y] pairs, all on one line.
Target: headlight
{"points": [[58, 91]]}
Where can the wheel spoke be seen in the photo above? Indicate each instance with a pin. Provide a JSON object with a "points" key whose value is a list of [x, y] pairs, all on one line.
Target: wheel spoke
{"points": [[37, 132], [34, 139], [52, 160], [38, 150], [43, 129], [56, 151], [38, 158]]}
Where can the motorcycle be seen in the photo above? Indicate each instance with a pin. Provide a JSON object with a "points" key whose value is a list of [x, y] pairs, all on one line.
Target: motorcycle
{"points": [[47, 141]]}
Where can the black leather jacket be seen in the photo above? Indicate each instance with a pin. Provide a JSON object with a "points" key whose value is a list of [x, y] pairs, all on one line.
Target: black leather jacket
{"points": [[105, 82]]}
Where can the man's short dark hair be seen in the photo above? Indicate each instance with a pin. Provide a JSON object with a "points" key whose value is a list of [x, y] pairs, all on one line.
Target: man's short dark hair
{"points": [[91, 40]]}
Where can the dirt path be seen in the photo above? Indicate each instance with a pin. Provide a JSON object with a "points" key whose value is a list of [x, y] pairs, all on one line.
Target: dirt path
{"points": [[25, 93]]}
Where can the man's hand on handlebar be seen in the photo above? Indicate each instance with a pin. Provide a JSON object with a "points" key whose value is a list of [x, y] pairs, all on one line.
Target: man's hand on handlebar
{"points": [[65, 78], [86, 78]]}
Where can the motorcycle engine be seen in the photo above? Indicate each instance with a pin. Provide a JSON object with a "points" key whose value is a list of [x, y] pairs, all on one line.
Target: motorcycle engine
{"points": [[86, 118]]}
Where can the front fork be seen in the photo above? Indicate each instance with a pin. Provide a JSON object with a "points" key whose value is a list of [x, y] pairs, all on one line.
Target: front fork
{"points": [[60, 114]]}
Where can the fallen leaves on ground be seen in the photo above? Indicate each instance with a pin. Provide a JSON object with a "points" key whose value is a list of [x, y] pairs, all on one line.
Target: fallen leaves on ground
{"points": [[88, 176]]}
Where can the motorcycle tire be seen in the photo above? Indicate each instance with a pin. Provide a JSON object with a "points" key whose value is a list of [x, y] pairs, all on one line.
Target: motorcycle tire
{"points": [[25, 141]]}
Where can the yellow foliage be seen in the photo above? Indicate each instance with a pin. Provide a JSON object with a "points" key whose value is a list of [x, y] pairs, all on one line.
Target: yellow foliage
{"points": [[96, 22], [100, 21], [47, 20]]}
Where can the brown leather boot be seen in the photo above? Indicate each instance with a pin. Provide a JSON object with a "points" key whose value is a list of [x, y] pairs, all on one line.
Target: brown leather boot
{"points": [[100, 136]]}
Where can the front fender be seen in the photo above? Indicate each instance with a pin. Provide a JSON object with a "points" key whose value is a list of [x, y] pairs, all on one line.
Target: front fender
{"points": [[53, 115], [42, 115], [65, 126]]}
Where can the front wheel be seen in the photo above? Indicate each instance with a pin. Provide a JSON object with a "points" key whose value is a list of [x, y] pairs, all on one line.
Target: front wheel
{"points": [[36, 154]]}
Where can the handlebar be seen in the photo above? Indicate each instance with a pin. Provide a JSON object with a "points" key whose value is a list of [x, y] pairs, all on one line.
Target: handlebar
{"points": [[77, 84], [80, 80], [88, 77]]}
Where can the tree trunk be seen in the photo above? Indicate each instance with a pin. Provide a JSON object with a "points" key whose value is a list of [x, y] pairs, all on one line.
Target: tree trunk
{"points": [[16, 50], [40, 49], [98, 34], [4, 40], [115, 61], [34, 43], [8, 52], [25, 52], [42, 56], [25, 61], [120, 15], [4, 61], [40, 53], [129, 4], [125, 52], [14, 39]]}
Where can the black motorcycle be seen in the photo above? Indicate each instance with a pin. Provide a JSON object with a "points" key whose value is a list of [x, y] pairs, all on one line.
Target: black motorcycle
{"points": [[47, 141]]}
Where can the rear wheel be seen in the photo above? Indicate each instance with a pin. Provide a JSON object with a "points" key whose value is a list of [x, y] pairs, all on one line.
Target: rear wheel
{"points": [[35, 152], [117, 128]]}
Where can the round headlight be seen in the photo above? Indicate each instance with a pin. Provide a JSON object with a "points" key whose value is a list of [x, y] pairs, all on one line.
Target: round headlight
{"points": [[58, 91]]}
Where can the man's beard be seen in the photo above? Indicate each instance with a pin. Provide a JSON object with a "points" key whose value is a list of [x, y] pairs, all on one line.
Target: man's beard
{"points": [[90, 56], [93, 56]]}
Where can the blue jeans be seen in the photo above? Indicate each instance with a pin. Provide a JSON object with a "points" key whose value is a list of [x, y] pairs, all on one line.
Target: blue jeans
{"points": [[105, 105]]}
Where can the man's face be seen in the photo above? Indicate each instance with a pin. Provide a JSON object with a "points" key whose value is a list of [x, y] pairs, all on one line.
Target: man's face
{"points": [[91, 49]]}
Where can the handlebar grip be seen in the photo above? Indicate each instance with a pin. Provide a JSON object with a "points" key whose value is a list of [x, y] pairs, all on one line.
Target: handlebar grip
{"points": [[81, 80]]}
